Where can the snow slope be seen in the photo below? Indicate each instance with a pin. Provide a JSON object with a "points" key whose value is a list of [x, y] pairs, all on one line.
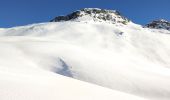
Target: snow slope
{"points": [[41, 85], [126, 58]]}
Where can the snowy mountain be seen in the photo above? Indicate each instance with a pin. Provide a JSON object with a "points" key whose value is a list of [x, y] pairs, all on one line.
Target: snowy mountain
{"points": [[93, 14], [129, 62], [159, 24]]}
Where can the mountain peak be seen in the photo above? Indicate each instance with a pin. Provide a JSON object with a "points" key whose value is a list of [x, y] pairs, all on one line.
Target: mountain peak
{"points": [[98, 10], [95, 14], [159, 24]]}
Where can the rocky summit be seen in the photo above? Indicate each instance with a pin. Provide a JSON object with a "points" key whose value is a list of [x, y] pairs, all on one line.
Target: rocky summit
{"points": [[94, 14], [159, 24]]}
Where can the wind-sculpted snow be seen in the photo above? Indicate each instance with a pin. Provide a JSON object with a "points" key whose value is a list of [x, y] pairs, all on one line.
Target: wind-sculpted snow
{"points": [[125, 58]]}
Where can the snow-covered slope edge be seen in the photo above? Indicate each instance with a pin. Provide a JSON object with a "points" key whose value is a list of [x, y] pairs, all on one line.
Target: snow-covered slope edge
{"points": [[47, 86]]}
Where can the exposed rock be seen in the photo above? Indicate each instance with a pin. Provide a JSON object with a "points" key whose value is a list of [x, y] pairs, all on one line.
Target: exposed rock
{"points": [[159, 24], [96, 14]]}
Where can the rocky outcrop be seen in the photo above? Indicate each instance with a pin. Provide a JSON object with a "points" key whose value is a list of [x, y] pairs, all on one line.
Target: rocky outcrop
{"points": [[96, 14], [159, 24]]}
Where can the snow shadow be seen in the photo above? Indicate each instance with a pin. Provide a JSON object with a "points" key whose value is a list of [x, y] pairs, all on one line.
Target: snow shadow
{"points": [[62, 68]]}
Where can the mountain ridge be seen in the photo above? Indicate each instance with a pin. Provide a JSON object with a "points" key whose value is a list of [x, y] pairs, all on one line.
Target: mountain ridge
{"points": [[95, 14], [159, 24], [109, 16]]}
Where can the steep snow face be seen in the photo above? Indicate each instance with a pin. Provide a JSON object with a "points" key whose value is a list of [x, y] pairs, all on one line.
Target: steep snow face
{"points": [[159, 24], [127, 58], [94, 14]]}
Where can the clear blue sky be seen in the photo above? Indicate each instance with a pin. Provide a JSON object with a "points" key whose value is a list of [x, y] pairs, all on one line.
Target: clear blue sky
{"points": [[23, 12]]}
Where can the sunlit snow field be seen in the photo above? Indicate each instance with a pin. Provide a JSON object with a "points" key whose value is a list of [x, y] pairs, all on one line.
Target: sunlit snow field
{"points": [[128, 62]]}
